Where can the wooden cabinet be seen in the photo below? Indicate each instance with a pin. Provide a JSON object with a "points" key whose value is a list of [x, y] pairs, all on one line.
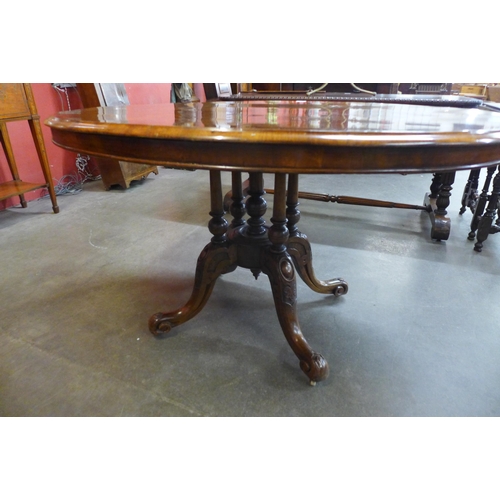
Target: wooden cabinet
{"points": [[17, 103]]}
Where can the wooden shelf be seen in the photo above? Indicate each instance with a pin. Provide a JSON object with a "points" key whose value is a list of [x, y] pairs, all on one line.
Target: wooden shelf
{"points": [[15, 188]]}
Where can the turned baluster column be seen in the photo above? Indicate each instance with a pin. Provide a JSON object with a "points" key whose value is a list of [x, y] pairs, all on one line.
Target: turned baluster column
{"points": [[278, 232], [435, 186], [469, 196], [256, 205], [443, 198], [486, 222], [218, 225], [292, 202], [237, 206], [255, 228], [481, 203]]}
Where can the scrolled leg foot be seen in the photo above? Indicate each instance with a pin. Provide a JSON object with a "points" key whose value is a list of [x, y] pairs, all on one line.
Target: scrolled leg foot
{"points": [[316, 368], [300, 251], [158, 325], [340, 287], [280, 272], [213, 261]]}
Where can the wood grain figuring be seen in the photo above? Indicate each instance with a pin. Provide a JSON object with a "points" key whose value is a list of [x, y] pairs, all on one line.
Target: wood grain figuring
{"points": [[301, 137], [13, 102]]}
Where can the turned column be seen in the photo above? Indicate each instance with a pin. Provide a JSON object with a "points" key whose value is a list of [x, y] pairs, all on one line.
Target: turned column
{"points": [[237, 206], [278, 232], [481, 203], [218, 225], [292, 202], [443, 197], [256, 205], [486, 222], [469, 196]]}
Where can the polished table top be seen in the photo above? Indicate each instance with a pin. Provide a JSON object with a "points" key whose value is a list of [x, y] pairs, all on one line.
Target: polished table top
{"points": [[301, 136]]}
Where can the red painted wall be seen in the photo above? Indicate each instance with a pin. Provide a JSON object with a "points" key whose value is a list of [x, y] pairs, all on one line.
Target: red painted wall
{"points": [[50, 101]]}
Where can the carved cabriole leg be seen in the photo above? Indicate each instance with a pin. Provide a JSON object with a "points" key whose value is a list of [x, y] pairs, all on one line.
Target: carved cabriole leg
{"points": [[481, 203], [216, 258], [299, 247], [278, 266], [486, 222]]}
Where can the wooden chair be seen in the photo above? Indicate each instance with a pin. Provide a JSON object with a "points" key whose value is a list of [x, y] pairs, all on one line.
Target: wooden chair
{"points": [[484, 207]]}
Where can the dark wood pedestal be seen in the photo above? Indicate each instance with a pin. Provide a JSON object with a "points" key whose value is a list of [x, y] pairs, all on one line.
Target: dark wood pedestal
{"points": [[277, 251]]}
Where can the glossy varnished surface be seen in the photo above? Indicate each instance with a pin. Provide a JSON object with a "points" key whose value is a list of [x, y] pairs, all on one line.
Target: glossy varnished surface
{"points": [[300, 137]]}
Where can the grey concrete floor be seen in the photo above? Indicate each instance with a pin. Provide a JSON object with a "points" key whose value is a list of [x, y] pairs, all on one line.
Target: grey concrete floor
{"points": [[417, 334]]}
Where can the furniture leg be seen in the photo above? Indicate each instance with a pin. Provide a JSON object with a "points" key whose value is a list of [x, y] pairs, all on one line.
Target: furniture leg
{"points": [[243, 188], [435, 186], [255, 230], [481, 203], [213, 261], [470, 194], [278, 266], [36, 132], [237, 207], [9, 154], [486, 223], [438, 200], [299, 248], [216, 258]]}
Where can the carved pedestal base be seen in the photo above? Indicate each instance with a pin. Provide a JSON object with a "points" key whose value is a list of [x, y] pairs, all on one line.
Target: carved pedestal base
{"points": [[278, 251]]}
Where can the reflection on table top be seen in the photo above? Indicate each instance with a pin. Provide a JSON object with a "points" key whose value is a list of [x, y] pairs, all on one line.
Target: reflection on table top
{"points": [[292, 116], [329, 125]]}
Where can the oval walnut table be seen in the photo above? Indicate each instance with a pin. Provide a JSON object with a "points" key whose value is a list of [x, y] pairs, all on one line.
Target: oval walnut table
{"points": [[285, 139]]}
